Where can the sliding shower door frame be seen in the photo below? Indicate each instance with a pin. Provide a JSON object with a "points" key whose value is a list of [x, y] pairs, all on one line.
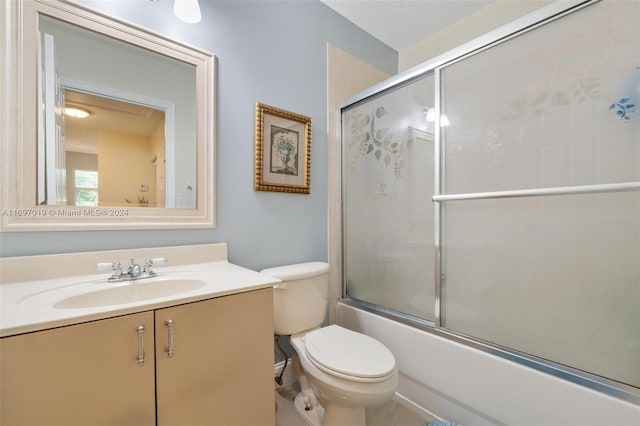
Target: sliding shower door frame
{"points": [[514, 29]]}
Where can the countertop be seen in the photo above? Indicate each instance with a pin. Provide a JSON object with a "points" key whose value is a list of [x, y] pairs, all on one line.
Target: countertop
{"points": [[31, 305]]}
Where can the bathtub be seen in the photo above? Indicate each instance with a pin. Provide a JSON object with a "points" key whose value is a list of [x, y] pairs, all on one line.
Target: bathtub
{"points": [[472, 387]]}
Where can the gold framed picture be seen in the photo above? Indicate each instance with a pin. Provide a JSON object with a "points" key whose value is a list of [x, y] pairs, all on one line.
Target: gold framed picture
{"points": [[282, 150]]}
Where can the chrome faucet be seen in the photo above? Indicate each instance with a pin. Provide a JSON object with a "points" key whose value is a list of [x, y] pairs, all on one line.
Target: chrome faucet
{"points": [[134, 272]]}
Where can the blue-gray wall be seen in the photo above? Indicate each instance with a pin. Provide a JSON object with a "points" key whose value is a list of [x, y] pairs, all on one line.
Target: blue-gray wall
{"points": [[268, 51]]}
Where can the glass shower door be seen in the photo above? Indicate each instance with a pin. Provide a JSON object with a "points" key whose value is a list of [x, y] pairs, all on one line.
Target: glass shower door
{"points": [[541, 247], [389, 244]]}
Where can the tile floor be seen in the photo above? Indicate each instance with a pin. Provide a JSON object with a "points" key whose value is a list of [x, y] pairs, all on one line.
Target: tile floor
{"points": [[394, 413]]}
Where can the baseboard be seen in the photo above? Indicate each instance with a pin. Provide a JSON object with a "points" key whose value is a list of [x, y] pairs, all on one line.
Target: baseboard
{"points": [[289, 376]]}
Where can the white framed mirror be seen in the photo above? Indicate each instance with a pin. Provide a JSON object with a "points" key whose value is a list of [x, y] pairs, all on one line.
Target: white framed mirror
{"points": [[143, 155]]}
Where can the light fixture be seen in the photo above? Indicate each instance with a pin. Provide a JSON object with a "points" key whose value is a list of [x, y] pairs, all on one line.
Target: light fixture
{"points": [[430, 117], [76, 112], [187, 11]]}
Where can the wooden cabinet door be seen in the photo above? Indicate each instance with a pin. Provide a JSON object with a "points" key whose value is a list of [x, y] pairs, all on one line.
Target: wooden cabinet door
{"points": [[221, 370], [85, 374]]}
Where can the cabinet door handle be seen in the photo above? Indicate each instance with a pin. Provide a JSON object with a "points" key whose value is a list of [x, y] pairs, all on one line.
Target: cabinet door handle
{"points": [[140, 356], [169, 348]]}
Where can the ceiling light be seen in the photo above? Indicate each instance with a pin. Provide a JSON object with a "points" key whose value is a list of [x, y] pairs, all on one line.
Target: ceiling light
{"points": [[76, 112], [187, 10]]}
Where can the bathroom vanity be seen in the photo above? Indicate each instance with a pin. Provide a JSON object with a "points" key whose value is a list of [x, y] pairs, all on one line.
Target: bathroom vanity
{"points": [[199, 356]]}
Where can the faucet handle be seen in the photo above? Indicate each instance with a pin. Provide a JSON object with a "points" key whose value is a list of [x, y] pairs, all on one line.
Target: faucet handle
{"points": [[104, 266], [148, 263], [117, 270], [115, 266]]}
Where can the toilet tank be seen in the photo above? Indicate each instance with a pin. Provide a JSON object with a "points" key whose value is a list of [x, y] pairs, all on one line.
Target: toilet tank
{"points": [[300, 302]]}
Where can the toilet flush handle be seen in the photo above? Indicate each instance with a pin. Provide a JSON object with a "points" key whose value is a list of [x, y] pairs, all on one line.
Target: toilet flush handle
{"points": [[280, 286]]}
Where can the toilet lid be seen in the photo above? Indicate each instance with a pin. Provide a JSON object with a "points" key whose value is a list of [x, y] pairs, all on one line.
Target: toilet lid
{"points": [[348, 354]]}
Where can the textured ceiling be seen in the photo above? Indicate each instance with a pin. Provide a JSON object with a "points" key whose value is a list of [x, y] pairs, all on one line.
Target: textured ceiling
{"points": [[402, 23]]}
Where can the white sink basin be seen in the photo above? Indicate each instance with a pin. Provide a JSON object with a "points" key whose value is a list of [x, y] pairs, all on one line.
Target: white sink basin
{"points": [[129, 292]]}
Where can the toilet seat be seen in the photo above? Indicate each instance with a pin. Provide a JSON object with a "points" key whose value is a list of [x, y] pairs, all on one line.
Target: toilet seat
{"points": [[349, 355]]}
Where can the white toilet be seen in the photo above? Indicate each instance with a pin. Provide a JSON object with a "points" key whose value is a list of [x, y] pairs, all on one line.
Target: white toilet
{"points": [[348, 371]]}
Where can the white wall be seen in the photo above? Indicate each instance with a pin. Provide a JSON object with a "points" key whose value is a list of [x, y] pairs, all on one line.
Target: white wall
{"points": [[490, 17]]}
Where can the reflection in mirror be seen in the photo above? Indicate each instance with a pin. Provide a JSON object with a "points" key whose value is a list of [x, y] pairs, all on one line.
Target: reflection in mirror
{"points": [[110, 137], [130, 134], [58, 54]]}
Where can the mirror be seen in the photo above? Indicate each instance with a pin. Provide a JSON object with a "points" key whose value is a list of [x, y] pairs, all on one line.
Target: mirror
{"points": [[141, 157]]}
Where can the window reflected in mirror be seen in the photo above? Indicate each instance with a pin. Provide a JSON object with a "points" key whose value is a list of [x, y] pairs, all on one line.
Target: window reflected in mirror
{"points": [[85, 186]]}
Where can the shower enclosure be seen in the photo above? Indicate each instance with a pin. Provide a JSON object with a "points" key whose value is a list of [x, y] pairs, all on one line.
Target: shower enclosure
{"points": [[492, 195]]}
